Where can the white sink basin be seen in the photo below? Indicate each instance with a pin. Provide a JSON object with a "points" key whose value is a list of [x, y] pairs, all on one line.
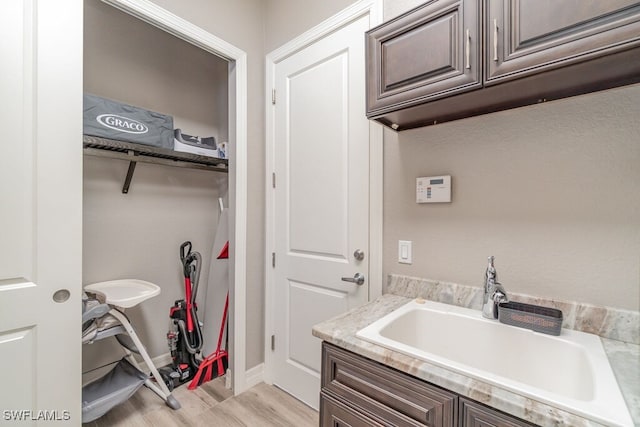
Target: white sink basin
{"points": [[570, 371]]}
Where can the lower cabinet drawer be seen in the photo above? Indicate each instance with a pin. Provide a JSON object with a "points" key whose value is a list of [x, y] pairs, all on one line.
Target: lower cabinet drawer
{"points": [[336, 414], [384, 394], [473, 414]]}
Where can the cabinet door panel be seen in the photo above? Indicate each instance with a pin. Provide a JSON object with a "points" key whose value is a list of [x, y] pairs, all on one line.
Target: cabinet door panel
{"points": [[384, 393], [525, 37], [336, 414], [427, 53], [419, 53], [475, 415]]}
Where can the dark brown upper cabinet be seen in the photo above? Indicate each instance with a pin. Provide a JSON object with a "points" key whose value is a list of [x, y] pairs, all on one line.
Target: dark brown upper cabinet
{"points": [[427, 54], [533, 36], [446, 60]]}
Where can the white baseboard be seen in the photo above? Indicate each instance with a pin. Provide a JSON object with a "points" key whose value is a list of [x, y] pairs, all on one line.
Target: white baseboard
{"points": [[254, 376]]}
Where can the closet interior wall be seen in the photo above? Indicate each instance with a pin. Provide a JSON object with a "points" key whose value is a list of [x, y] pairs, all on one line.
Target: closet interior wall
{"points": [[138, 235]]}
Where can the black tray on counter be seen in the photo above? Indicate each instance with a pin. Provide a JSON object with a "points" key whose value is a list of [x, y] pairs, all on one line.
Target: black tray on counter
{"points": [[540, 319]]}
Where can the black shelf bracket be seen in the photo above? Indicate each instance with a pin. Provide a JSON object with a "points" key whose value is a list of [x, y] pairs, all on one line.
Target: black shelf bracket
{"points": [[127, 180]]}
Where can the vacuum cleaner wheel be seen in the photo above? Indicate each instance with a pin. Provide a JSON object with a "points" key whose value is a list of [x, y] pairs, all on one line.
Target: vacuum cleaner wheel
{"points": [[167, 377]]}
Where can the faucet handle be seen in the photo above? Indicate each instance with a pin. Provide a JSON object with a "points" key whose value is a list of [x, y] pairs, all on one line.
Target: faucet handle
{"points": [[499, 294], [491, 273]]}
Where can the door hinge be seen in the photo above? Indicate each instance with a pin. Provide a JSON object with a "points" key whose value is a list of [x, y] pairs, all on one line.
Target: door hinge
{"points": [[273, 179], [273, 259], [273, 342], [273, 97]]}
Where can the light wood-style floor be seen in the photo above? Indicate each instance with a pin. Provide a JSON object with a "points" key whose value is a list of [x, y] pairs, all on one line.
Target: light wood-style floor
{"points": [[212, 405]]}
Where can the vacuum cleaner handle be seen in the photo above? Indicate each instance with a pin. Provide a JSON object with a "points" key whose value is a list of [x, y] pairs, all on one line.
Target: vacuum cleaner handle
{"points": [[183, 255]]}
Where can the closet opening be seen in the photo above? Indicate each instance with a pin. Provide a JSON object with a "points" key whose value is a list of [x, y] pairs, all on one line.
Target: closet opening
{"points": [[141, 55]]}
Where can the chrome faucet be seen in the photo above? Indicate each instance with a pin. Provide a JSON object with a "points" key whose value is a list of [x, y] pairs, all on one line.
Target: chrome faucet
{"points": [[494, 293]]}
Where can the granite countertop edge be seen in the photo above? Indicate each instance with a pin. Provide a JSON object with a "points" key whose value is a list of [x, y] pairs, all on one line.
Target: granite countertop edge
{"points": [[341, 331]]}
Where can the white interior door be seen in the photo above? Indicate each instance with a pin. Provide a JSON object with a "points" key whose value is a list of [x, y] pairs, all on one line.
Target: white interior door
{"points": [[40, 211], [321, 201]]}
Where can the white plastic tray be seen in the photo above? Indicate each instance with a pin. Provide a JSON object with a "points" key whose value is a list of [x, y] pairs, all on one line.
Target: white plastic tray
{"points": [[125, 292]]}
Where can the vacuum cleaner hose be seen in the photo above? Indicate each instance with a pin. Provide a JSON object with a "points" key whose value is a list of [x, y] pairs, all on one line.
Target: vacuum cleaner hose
{"points": [[191, 348], [195, 279], [193, 341]]}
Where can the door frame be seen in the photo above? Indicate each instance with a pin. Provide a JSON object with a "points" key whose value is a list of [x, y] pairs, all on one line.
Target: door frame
{"points": [[185, 30], [373, 8]]}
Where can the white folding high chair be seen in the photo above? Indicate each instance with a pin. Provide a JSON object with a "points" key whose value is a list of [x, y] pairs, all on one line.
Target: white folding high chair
{"points": [[104, 317]]}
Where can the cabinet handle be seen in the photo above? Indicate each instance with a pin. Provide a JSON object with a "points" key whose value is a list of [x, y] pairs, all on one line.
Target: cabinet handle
{"points": [[495, 40], [468, 49]]}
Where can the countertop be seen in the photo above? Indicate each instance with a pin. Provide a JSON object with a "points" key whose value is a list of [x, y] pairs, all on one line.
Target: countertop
{"points": [[341, 331]]}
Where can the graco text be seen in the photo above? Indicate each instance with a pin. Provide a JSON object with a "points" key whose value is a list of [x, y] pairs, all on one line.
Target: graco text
{"points": [[122, 124]]}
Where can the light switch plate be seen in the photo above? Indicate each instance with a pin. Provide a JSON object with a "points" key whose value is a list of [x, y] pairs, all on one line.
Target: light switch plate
{"points": [[404, 251]]}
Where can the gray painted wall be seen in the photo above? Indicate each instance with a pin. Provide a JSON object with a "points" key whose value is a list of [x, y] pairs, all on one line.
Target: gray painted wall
{"points": [[241, 23], [552, 236], [138, 235], [550, 190], [286, 19]]}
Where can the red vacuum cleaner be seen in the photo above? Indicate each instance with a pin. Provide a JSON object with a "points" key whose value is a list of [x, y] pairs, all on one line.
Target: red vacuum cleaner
{"points": [[219, 358], [185, 335]]}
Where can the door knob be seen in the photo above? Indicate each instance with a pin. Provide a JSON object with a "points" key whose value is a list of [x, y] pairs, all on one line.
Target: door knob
{"points": [[61, 295], [358, 279], [358, 255]]}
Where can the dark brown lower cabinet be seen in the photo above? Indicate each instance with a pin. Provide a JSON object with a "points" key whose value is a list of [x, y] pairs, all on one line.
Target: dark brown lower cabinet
{"points": [[360, 392], [473, 414], [336, 414], [383, 394]]}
